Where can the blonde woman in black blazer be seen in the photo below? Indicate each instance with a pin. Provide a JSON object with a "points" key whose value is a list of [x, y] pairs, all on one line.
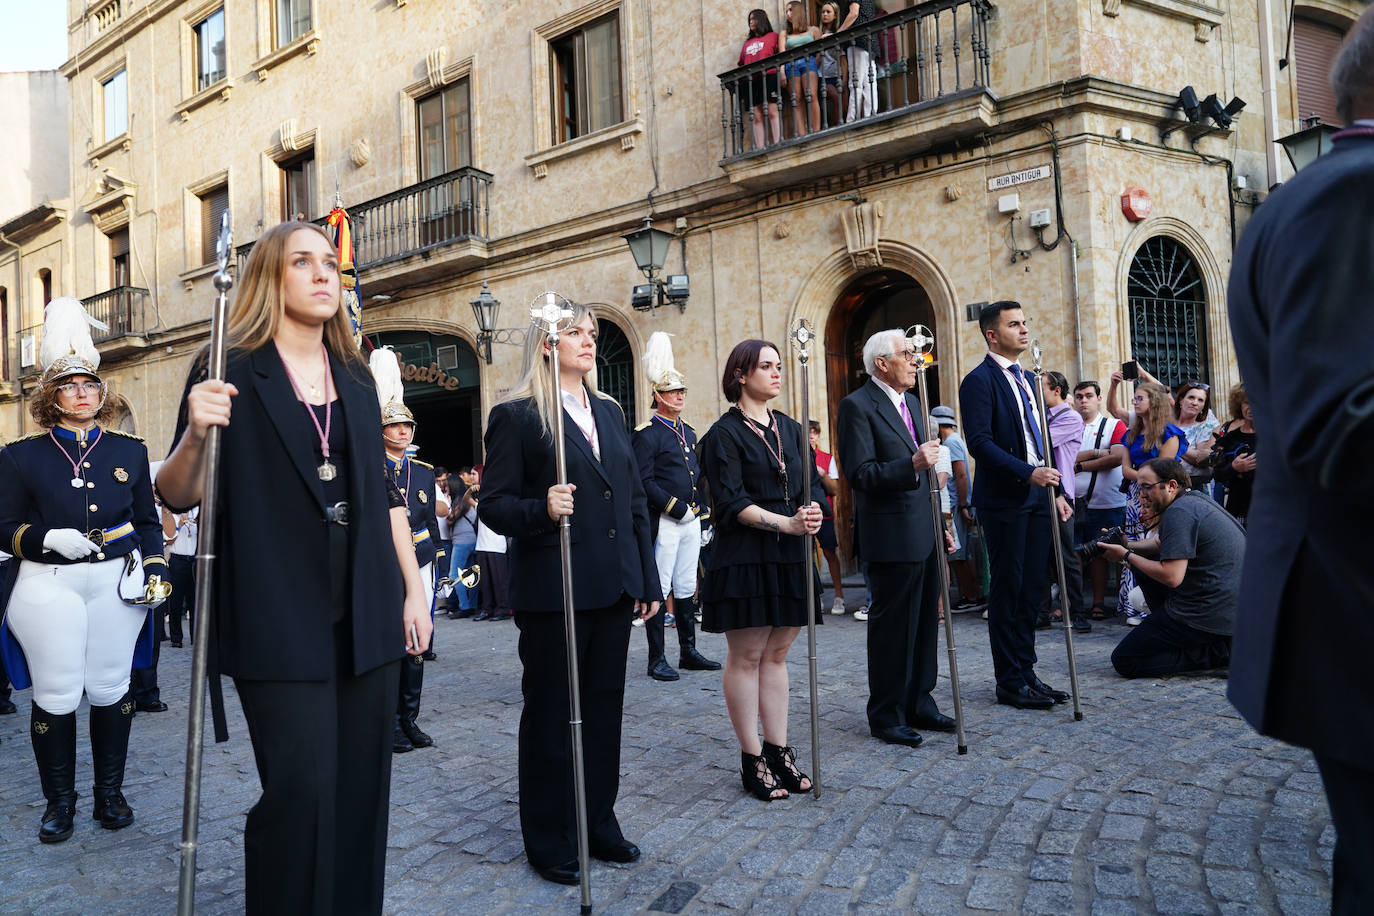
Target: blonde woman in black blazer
{"points": [[316, 585], [614, 578]]}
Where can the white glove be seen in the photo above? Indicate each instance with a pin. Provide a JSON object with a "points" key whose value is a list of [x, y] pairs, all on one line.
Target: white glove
{"points": [[69, 542]]}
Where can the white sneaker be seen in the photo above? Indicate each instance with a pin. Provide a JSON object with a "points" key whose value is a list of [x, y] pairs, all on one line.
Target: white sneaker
{"points": [[637, 622], [838, 609], [1133, 621], [862, 613]]}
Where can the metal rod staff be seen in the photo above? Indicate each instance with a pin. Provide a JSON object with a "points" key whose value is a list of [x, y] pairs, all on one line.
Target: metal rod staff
{"points": [[1039, 371], [923, 342], [205, 568], [548, 311], [802, 335]]}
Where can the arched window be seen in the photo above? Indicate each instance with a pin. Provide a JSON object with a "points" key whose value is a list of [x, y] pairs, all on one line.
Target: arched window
{"points": [[615, 367], [1168, 312]]}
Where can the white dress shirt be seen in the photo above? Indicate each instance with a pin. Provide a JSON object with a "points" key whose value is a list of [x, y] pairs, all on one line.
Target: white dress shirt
{"points": [[581, 414], [1032, 448]]}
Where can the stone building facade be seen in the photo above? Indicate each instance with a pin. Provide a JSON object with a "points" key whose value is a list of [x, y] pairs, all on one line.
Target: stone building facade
{"points": [[515, 144]]}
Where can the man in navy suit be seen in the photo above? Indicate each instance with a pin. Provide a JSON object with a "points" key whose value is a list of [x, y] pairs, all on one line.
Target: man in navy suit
{"points": [[1004, 438], [1299, 291], [885, 460]]}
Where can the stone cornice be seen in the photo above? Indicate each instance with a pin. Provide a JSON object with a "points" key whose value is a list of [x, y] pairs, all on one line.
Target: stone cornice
{"points": [[131, 24]]}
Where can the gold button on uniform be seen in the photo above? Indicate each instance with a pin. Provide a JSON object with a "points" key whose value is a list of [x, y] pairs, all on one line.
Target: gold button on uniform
{"points": [[85, 464], [90, 486], [94, 507]]}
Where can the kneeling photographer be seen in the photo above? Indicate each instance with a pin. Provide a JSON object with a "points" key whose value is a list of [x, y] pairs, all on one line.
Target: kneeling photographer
{"points": [[1190, 574]]}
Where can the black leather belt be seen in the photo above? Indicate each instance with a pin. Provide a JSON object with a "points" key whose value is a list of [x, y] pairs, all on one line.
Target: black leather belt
{"points": [[337, 514]]}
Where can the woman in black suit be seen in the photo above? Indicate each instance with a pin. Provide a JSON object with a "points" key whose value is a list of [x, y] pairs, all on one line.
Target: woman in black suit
{"points": [[613, 573], [317, 592]]}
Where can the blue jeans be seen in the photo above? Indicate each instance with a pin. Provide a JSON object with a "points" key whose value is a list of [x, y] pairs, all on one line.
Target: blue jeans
{"points": [[460, 558]]}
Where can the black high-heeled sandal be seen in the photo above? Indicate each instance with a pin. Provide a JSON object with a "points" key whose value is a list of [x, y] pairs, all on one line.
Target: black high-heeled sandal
{"points": [[758, 778], [783, 762]]}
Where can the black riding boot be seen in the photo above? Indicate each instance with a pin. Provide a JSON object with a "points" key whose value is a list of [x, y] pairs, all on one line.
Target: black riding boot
{"points": [[659, 669], [54, 749], [109, 749], [408, 702], [688, 657]]}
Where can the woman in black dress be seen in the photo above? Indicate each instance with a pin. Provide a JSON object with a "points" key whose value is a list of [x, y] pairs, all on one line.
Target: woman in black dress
{"points": [[755, 588], [317, 591]]}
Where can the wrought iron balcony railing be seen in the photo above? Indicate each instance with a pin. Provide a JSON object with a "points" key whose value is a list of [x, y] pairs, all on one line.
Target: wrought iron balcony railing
{"points": [[123, 309], [452, 207], [899, 62]]}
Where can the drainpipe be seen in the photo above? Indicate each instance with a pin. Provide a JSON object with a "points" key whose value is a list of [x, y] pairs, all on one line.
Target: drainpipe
{"points": [[1268, 95], [18, 310]]}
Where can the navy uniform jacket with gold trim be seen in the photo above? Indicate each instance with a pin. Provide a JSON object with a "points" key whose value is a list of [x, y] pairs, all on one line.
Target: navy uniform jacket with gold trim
{"points": [[113, 507], [416, 480], [669, 469], [115, 497]]}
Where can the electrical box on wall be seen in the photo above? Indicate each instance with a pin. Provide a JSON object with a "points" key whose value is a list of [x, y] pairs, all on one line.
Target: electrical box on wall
{"points": [[1039, 219], [1009, 203]]}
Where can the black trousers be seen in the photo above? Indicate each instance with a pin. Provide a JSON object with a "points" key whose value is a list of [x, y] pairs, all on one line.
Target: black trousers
{"points": [[1018, 542], [902, 641], [1350, 793], [315, 842], [181, 570], [143, 681], [1072, 606], [547, 814], [1162, 645]]}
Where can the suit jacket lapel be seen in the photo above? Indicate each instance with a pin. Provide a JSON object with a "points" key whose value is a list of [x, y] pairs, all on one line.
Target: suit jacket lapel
{"points": [[362, 414], [297, 433], [572, 434], [889, 413]]}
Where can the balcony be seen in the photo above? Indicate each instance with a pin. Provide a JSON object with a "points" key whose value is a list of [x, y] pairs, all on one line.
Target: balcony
{"points": [[445, 211], [123, 309], [928, 80]]}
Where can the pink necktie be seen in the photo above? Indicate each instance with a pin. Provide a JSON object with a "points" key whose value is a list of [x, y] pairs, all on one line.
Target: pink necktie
{"points": [[906, 418]]}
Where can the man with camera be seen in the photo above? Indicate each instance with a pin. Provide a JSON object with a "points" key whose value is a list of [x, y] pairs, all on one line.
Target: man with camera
{"points": [[1189, 572]]}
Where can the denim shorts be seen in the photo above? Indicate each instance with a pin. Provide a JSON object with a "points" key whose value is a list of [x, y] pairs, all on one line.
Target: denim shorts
{"points": [[801, 67]]}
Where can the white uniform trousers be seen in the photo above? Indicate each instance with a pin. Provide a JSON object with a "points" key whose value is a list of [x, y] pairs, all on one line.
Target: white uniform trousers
{"points": [[676, 552], [76, 632]]}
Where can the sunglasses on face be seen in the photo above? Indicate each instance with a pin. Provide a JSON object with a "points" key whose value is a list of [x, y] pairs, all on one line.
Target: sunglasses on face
{"points": [[1193, 383], [75, 387]]}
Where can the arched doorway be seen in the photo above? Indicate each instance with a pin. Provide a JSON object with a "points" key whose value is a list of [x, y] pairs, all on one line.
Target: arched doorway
{"points": [[871, 302], [615, 367], [442, 389]]}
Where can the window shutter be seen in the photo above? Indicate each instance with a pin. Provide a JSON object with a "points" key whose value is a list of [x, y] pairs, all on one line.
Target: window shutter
{"points": [[212, 207], [1315, 46]]}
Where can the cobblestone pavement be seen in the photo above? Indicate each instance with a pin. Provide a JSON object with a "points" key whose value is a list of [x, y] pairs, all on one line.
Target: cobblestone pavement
{"points": [[1161, 801]]}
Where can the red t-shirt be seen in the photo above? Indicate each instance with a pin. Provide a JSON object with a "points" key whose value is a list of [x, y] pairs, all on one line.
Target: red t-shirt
{"points": [[757, 47]]}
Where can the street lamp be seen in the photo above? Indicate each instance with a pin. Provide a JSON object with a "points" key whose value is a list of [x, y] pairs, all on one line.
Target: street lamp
{"points": [[1307, 144], [484, 309], [649, 247]]}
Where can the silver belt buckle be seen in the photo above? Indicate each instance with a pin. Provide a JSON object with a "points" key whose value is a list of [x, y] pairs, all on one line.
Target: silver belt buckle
{"points": [[338, 513]]}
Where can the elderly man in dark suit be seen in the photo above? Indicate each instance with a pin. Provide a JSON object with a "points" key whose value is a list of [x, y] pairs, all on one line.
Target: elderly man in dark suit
{"points": [[1300, 286], [1004, 438], [883, 458]]}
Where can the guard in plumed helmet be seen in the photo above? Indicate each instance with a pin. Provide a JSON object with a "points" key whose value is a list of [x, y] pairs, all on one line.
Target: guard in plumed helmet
{"points": [[77, 513], [666, 451], [415, 480]]}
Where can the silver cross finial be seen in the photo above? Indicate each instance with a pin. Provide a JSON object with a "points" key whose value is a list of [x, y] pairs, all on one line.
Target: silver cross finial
{"points": [[1037, 356], [224, 250], [920, 339], [550, 310], [802, 335]]}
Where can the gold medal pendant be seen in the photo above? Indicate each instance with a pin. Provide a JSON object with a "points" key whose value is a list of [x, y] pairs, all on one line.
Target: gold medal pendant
{"points": [[327, 471]]}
